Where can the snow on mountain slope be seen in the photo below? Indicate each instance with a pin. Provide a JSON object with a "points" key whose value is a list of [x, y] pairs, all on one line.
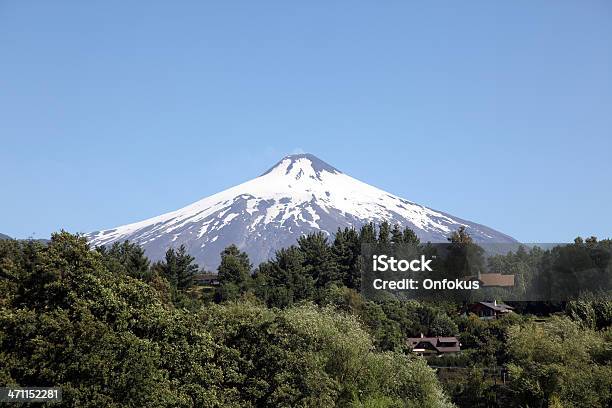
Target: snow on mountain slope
{"points": [[300, 194]]}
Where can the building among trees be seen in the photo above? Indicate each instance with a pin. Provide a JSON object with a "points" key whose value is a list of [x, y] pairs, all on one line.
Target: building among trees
{"points": [[490, 310], [438, 345]]}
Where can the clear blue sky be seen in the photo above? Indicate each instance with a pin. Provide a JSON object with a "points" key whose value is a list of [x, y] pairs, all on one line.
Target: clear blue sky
{"points": [[498, 112]]}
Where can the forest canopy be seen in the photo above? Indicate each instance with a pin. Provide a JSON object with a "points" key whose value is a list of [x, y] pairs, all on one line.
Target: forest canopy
{"points": [[112, 328], [110, 339]]}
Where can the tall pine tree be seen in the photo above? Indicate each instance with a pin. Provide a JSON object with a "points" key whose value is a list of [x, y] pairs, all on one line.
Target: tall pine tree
{"points": [[318, 259], [178, 268], [346, 249]]}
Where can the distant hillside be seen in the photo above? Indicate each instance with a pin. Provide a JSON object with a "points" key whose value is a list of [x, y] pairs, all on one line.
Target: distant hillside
{"points": [[41, 240]]}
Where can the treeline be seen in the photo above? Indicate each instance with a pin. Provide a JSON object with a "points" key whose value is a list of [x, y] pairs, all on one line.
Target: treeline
{"points": [[305, 270], [562, 272], [114, 329]]}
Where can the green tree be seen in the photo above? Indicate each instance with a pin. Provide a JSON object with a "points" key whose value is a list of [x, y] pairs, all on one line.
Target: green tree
{"points": [[555, 363], [410, 237], [178, 268], [346, 249], [105, 338], [316, 357], [464, 257], [235, 266], [367, 234], [289, 278], [318, 259], [384, 233], [127, 256]]}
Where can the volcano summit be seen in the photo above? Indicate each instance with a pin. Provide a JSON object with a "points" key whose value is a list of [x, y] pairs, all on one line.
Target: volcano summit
{"points": [[298, 195]]}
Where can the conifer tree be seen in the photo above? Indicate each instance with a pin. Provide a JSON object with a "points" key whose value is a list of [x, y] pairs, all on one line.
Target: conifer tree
{"points": [[384, 233], [235, 267], [346, 249], [464, 258], [396, 235], [288, 278], [367, 234], [178, 268], [410, 237], [128, 257], [318, 259]]}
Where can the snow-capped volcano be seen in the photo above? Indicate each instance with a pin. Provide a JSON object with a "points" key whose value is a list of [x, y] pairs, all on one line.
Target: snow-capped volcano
{"points": [[300, 194]]}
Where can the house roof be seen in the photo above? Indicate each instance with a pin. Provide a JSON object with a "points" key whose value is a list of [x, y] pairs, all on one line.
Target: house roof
{"points": [[500, 307], [447, 339], [492, 279], [496, 279], [440, 344]]}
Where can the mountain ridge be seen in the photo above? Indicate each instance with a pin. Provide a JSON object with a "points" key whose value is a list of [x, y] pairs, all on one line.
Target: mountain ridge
{"points": [[298, 195]]}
